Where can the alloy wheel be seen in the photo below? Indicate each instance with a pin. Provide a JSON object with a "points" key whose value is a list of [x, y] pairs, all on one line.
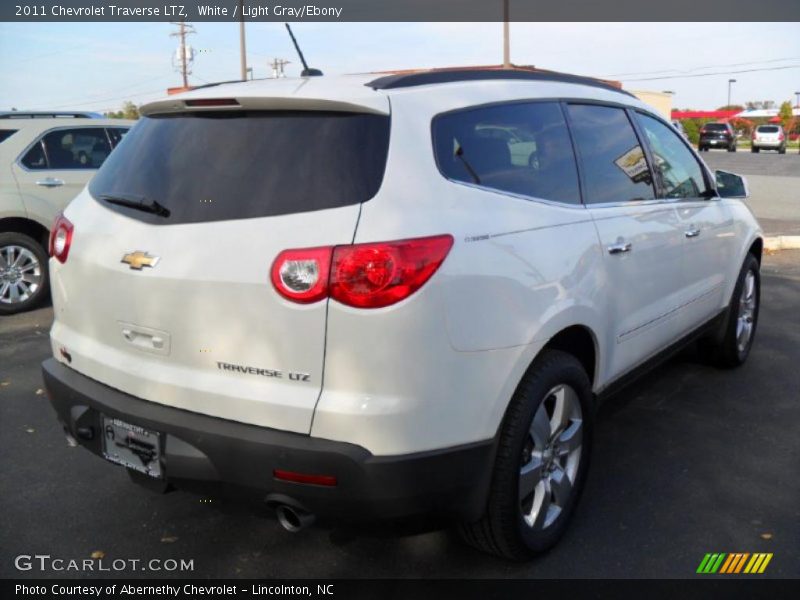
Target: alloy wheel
{"points": [[20, 274], [550, 457]]}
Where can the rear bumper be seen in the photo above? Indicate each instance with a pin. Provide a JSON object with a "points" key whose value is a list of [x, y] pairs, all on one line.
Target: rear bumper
{"points": [[715, 142], [767, 144], [207, 453]]}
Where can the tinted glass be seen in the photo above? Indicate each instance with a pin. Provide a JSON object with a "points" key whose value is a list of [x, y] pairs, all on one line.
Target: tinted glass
{"points": [[116, 134], [215, 166], [614, 164], [768, 129], [80, 148], [519, 148], [715, 127], [680, 173], [6, 133], [35, 158]]}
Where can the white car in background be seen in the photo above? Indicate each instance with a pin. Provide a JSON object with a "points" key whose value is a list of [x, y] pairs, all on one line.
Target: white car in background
{"points": [[45, 161], [356, 298], [769, 137]]}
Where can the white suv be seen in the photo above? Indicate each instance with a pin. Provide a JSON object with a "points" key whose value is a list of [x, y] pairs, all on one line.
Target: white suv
{"points": [[46, 159], [383, 298], [768, 137]]}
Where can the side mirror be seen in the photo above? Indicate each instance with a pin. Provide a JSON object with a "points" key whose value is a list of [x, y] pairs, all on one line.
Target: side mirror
{"points": [[730, 185]]}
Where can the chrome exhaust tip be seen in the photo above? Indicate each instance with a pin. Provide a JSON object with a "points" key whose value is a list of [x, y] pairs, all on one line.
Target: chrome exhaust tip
{"points": [[293, 519]]}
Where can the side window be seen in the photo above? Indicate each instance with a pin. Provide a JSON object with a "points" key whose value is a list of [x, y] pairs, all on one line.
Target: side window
{"points": [[84, 148], [519, 148], [116, 134], [6, 133], [614, 165], [35, 158], [680, 173]]}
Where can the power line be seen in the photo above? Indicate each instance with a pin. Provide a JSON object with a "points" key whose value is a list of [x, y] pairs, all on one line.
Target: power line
{"points": [[717, 73], [127, 96], [692, 70], [90, 98]]}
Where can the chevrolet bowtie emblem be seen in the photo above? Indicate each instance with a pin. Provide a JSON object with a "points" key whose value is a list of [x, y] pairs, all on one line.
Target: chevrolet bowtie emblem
{"points": [[139, 259]]}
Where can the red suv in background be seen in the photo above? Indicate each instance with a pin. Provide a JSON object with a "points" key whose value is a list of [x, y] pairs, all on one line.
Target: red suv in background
{"points": [[717, 135]]}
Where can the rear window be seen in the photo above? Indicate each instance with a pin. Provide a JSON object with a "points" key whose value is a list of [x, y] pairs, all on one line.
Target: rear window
{"points": [[768, 129], [715, 127], [6, 133], [216, 166]]}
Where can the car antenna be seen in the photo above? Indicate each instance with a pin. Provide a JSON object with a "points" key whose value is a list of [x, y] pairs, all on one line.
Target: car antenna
{"points": [[306, 72]]}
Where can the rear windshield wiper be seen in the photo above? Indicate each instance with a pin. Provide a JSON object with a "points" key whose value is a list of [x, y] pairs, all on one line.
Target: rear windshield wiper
{"points": [[137, 203]]}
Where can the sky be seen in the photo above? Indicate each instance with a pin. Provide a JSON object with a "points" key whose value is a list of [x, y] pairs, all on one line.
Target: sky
{"points": [[98, 66]]}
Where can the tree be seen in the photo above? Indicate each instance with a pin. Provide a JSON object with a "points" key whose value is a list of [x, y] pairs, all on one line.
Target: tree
{"points": [[129, 111], [735, 107], [785, 115]]}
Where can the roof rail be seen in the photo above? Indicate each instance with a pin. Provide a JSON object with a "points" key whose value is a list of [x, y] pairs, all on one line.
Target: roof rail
{"points": [[437, 76], [32, 114]]}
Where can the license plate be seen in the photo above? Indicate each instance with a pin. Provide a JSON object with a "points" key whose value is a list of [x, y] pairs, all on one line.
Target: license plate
{"points": [[713, 141], [132, 446]]}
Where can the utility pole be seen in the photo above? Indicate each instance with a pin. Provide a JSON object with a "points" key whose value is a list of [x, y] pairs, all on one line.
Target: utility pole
{"points": [[730, 82], [797, 94], [506, 37], [242, 51], [184, 60], [277, 65]]}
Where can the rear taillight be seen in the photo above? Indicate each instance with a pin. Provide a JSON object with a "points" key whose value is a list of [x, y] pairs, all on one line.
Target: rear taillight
{"points": [[780, 136], [755, 135], [61, 238], [362, 275]]}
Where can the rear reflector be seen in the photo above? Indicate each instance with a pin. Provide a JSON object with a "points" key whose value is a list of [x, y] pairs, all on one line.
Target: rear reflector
{"points": [[212, 102], [326, 480]]}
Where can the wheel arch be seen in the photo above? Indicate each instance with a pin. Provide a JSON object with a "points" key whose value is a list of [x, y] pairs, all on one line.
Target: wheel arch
{"points": [[27, 227], [757, 248]]}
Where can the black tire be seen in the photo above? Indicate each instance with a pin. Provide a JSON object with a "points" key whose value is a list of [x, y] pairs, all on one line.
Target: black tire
{"points": [[27, 242], [753, 149], [723, 348], [756, 150], [502, 529], [782, 151], [732, 148]]}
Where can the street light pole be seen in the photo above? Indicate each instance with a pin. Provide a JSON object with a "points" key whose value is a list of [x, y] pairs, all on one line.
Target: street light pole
{"points": [[797, 94], [730, 82]]}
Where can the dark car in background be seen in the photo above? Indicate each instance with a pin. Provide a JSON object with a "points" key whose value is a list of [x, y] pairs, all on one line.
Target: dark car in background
{"points": [[717, 135]]}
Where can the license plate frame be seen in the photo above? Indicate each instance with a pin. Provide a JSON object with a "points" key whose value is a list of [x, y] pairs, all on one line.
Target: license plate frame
{"points": [[133, 446]]}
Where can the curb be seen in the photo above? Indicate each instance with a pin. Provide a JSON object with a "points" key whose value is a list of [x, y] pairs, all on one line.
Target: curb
{"points": [[782, 242]]}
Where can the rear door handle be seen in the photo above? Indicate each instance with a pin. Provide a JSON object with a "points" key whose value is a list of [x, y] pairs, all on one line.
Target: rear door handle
{"points": [[691, 233], [50, 182], [620, 247]]}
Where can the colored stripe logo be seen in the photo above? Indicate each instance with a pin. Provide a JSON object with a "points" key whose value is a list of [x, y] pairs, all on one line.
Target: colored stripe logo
{"points": [[734, 563]]}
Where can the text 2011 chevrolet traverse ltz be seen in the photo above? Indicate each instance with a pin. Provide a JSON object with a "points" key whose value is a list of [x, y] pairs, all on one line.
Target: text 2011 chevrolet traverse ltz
{"points": [[382, 299]]}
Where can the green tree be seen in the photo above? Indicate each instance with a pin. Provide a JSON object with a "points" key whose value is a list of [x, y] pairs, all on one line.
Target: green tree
{"points": [[736, 107], [785, 114], [129, 111]]}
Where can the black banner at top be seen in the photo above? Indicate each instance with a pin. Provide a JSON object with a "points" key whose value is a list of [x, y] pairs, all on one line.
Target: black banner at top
{"points": [[400, 10]]}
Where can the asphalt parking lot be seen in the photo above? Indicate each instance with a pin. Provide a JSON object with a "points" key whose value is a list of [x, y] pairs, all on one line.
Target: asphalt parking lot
{"points": [[688, 460], [774, 181]]}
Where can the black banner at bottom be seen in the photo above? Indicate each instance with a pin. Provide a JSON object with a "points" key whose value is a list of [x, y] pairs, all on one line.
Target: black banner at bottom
{"points": [[395, 589]]}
